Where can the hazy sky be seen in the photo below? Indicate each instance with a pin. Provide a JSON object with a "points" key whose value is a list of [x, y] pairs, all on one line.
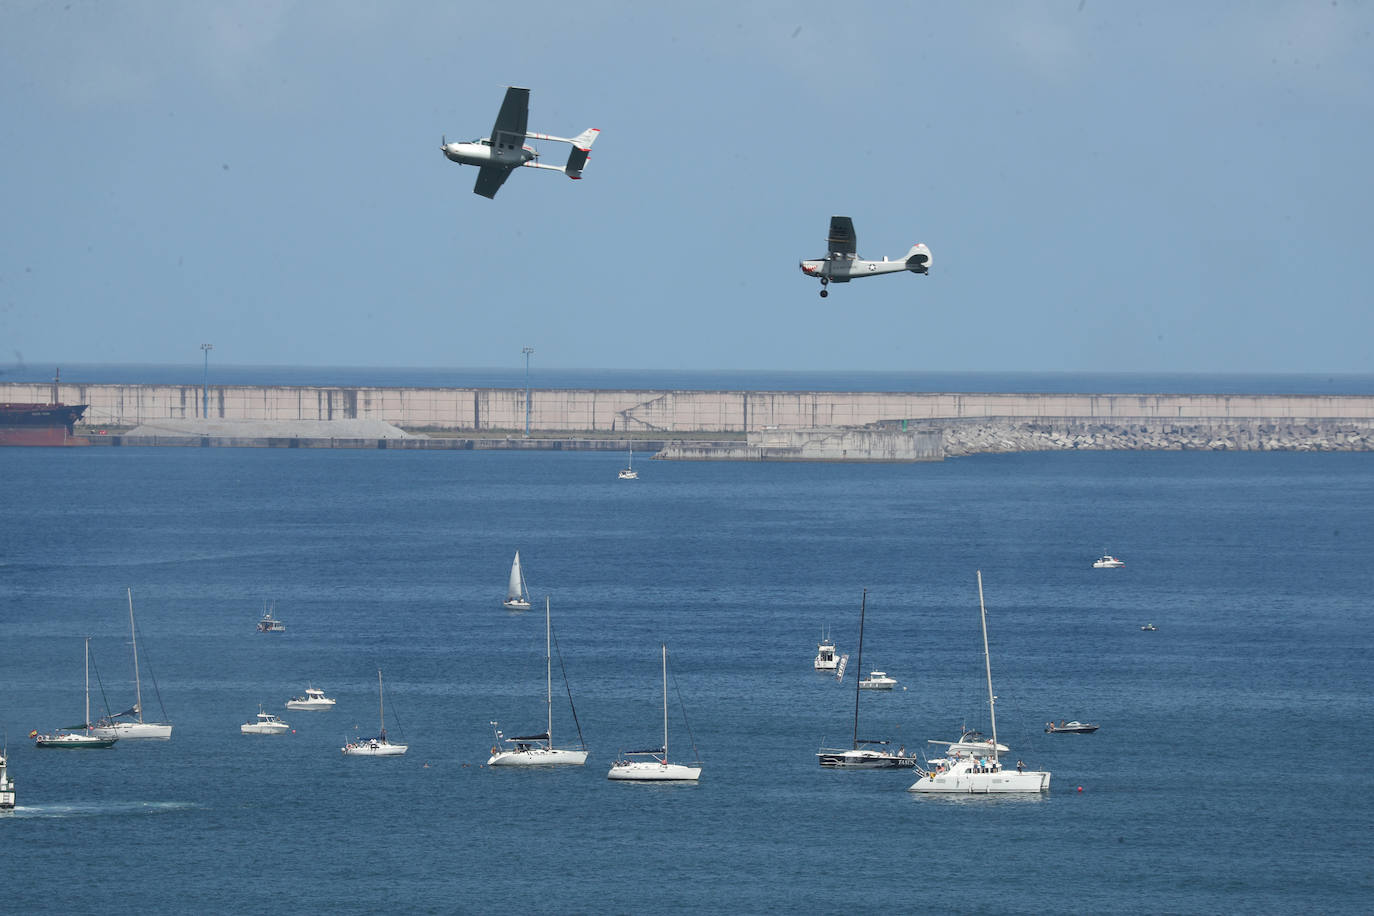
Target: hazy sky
{"points": [[1105, 186]]}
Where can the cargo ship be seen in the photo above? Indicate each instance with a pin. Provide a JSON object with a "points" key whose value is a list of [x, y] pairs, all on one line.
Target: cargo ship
{"points": [[41, 424]]}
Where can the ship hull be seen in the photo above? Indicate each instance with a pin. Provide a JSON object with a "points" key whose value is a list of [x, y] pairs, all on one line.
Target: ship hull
{"points": [[40, 425]]}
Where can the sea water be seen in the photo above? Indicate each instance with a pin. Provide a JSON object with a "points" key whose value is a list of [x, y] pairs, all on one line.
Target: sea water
{"points": [[1228, 774]]}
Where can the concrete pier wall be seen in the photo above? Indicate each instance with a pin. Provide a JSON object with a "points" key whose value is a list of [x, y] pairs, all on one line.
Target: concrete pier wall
{"points": [[666, 412]]}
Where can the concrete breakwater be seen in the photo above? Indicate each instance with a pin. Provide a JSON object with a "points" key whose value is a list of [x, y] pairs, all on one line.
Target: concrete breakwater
{"points": [[779, 425]]}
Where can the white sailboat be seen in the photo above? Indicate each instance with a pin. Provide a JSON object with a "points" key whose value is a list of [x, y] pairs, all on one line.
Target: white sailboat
{"points": [[975, 767], [378, 746], [517, 592], [538, 750], [129, 723], [86, 738], [653, 765], [629, 472], [863, 753]]}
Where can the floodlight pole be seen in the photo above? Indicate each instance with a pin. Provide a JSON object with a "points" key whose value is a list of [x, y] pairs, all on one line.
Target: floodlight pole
{"points": [[205, 389], [528, 351]]}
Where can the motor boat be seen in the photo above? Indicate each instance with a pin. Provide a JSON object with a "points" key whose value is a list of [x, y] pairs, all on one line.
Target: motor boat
{"points": [[825, 655], [877, 680], [1075, 727], [314, 699], [1149, 627], [1107, 561], [267, 724]]}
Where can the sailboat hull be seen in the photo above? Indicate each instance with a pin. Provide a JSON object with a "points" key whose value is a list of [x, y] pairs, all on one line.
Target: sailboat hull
{"points": [[374, 749], [128, 730], [653, 771], [515, 604], [537, 757], [73, 742], [863, 760]]}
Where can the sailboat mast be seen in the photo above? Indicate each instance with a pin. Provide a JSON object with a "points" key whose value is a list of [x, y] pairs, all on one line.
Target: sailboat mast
{"points": [[88, 683], [548, 670], [133, 633], [664, 646], [987, 665], [381, 702], [859, 667]]}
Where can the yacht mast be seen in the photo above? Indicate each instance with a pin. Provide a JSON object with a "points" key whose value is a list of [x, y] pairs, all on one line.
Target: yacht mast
{"points": [[859, 667], [664, 646], [138, 687], [88, 685], [381, 703], [548, 671], [987, 664]]}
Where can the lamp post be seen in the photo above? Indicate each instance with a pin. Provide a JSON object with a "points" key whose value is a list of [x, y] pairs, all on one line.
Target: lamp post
{"points": [[205, 389], [528, 351]]}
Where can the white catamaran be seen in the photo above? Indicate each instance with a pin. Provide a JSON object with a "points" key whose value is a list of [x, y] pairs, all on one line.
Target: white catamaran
{"points": [[378, 746], [129, 723], [538, 750], [972, 766], [863, 753], [653, 765], [517, 592]]}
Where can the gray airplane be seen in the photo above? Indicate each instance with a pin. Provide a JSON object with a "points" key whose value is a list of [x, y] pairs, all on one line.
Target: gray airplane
{"points": [[842, 264], [505, 150]]}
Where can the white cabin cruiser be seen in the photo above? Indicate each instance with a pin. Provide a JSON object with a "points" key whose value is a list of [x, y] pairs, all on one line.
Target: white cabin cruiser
{"points": [[266, 724], [1107, 561], [826, 659], [314, 699], [877, 680]]}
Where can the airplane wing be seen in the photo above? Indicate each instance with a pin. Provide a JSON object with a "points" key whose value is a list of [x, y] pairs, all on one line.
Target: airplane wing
{"points": [[490, 178], [513, 117], [842, 240]]}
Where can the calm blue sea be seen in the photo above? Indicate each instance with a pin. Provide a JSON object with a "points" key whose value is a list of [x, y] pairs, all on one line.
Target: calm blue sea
{"points": [[1228, 774]]}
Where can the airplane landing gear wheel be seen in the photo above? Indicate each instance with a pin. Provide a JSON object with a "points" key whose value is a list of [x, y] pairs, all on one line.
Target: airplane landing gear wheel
{"points": [[824, 293]]}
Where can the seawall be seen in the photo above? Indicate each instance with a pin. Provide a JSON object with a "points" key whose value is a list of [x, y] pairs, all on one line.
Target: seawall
{"points": [[804, 425]]}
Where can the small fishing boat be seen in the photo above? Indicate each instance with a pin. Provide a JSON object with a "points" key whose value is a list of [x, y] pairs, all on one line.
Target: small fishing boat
{"points": [[1107, 561], [6, 784], [266, 724], [517, 592], [877, 680], [314, 699], [825, 654], [270, 624], [1073, 728]]}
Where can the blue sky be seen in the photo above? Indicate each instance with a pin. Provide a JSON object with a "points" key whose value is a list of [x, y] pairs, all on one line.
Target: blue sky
{"points": [[1175, 187]]}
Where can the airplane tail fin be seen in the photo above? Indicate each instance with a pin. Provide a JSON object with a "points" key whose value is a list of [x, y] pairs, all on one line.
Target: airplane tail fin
{"points": [[581, 149], [918, 259]]}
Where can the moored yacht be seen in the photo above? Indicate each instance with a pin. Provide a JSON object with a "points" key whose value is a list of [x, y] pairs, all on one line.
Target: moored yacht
{"points": [[314, 699], [538, 750], [270, 624], [1070, 728], [877, 680], [129, 723], [863, 753], [84, 739], [979, 772], [651, 764], [266, 724], [379, 746]]}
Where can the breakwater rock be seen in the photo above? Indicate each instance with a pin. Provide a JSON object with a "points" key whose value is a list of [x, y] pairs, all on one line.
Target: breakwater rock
{"points": [[1014, 435]]}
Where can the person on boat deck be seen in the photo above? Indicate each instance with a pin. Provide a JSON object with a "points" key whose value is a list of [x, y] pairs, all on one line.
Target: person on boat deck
{"points": [[1020, 766]]}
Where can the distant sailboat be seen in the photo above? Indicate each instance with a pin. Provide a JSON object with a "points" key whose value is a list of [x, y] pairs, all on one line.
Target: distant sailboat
{"points": [[517, 592], [629, 472], [378, 746], [973, 767], [863, 753], [656, 767], [538, 750], [6, 784], [132, 724], [86, 737]]}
